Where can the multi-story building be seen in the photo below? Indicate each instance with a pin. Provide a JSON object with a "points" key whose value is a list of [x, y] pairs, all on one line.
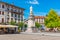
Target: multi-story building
{"points": [[40, 19], [10, 12]]}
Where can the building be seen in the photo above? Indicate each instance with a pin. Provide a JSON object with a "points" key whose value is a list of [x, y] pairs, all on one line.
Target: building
{"points": [[40, 19], [10, 12]]}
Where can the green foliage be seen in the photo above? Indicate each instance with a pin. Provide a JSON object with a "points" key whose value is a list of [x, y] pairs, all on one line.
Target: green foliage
{"points": [[12, 23], [20, 25], [25, 25], [52, 19], [37, 25]]}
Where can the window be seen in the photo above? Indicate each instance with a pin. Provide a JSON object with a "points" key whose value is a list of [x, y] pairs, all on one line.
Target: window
{"points": [[12, 14], [18, 16], [20, 11], [11, 9], [21, 18], [14, 10], [2, 13], [8, 9], [2, 6], [2, 20], [7, 20], [11, 19], [15, 15], [15, 20], [17, 10], [41, 20]]}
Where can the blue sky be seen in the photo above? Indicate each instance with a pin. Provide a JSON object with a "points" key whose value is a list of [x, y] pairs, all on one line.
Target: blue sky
{"points": [[40, 7]]}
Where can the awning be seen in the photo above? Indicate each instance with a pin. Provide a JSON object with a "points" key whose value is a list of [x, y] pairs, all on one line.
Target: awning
{"points": [[8, 26]]}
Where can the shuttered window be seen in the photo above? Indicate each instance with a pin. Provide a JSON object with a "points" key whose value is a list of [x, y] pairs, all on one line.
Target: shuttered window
{"points": [[2, 6], [0, 12]]}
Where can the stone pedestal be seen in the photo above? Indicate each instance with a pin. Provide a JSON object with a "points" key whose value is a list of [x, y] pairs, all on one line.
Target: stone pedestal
{"points": [[33, 29], [29, 29], [30, 25]]}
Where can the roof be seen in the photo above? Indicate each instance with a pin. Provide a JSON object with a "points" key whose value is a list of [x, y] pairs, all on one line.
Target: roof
{"points": [[39, 17], [12, 5]]}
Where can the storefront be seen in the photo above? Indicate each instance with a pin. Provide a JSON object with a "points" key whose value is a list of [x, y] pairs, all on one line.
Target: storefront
{"points": [[8, 29]]}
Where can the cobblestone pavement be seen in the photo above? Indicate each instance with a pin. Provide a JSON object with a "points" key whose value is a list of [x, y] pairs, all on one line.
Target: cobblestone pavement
{"points": [[27, 37]]}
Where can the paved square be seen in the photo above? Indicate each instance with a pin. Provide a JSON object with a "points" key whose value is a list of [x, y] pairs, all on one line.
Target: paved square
{"points": [[27, 37]]}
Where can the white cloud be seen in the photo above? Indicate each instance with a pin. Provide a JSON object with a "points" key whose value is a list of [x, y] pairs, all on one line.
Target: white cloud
{"points": [[33, 2]]}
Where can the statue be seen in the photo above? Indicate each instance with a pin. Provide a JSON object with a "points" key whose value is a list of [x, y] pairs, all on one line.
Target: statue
{"points": [[30, 9], [31, 21]]}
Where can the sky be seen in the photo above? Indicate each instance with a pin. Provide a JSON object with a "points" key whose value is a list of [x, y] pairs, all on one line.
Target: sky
{"points": [[40, 7]]}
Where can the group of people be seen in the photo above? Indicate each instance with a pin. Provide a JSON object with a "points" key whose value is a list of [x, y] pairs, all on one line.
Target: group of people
{"points": [[52, 29]]}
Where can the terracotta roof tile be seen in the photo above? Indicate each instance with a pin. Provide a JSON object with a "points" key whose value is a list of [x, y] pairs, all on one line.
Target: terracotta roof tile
{"points": [[39, 17]]}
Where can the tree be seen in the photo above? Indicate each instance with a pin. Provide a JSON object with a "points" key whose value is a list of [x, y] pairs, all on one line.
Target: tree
{"points": [[58, 22], [25, 25], [52, 19], [37, 25], [20, 25], [12, 23]]}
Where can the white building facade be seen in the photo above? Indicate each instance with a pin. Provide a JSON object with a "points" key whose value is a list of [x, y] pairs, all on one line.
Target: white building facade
{"points": [[40, 19], [9, 12]]}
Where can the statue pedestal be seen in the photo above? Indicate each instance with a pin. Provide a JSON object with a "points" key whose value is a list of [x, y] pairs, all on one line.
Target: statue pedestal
{"points": [[29, 29], [33, 29]]}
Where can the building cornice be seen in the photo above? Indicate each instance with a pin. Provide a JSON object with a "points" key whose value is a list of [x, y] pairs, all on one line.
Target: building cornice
{"points": [[12, 5]]}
